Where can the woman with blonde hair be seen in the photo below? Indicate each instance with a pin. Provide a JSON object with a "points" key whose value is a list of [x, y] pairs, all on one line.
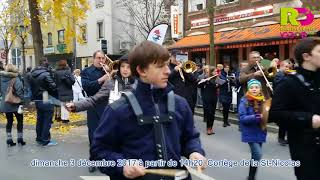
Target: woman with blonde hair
{"points": [[209, 95], [10, 77]]}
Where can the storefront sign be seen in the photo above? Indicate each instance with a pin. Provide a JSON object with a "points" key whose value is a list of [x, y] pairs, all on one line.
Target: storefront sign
{"points": [[61, 48], [292, 26], [235, 16], [48, 50], [176, 22]]}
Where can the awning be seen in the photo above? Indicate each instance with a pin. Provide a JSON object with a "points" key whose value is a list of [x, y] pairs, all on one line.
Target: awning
{"points": [[248, 37]]}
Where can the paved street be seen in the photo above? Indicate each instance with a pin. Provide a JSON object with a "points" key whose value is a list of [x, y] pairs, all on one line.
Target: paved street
{"points": [[225, 144]]}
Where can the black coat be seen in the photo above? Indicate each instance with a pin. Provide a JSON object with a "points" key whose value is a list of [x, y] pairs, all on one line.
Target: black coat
{"points": [[64, 80], [208, 88], [89, 79], [293, 106], [42, 80], [225, 93], [187, 88]]}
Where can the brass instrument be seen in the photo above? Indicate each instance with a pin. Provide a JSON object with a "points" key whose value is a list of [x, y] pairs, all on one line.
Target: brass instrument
{"points": [[264, 76], [113, 65], [265, 113], [271, 72], [189, 66]]}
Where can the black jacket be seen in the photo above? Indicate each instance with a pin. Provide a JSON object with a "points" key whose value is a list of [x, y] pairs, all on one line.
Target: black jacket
{"points": [[208, 88], [225, 93], [186, 89], [89, 79], [64, 80], [42, 80], [293, 105]]}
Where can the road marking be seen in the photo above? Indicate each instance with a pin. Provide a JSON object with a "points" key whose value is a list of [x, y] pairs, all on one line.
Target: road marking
{"points": [[95, 177]]}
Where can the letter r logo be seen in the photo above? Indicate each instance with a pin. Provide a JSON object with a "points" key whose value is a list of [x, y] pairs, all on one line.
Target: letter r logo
{"points": [[290, 15]]}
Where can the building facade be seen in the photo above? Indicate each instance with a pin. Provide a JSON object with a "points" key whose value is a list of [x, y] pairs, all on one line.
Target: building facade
{"points": [[108, 24], [240, 26]]}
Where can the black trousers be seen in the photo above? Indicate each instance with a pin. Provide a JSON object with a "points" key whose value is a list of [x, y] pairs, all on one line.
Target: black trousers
{"points": [[226, 108], [19, 118], [282, 132], [209, 110]]}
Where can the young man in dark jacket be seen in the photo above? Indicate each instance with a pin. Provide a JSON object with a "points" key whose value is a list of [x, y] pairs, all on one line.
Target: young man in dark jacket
{"points": [[296, 105], [42, 86], [159, 125]]}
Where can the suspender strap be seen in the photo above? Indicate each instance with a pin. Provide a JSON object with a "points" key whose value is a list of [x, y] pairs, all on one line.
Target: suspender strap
{"points": [[135, 106], [171, 106]]}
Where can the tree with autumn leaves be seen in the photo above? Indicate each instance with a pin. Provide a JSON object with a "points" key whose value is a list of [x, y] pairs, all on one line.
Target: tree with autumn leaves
{"points": [[12, 15], [56, 10]]}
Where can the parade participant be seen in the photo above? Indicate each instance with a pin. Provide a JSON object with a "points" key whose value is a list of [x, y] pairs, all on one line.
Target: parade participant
{"points": [[285, 67], [240, 91], [296, 106], [149, 123], [219, 69], [225, 93], [26, 85], [185, 84], [64, 80], [252, 71], [124, 80], [10, 77], [250, 114], [42, 85], [209, 96], [92, 79]]}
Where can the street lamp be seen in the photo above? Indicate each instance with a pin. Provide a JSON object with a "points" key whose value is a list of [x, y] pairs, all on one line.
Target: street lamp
{"points": [[22, 33]]}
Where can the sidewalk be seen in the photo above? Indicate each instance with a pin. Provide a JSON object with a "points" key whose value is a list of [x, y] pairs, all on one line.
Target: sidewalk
{"points": [[233, 119]]}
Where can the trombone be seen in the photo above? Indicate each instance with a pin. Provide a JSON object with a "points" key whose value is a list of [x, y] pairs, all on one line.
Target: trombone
{"points": [[112, 65], [264, 76]]}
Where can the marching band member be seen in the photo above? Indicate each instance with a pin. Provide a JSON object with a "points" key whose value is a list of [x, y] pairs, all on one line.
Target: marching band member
{"points": [[250, 114], [185, 84], [296, 105], [252, 72], [209, 96], [92, 79], [285, 67], [149, 123], [225, 92]]}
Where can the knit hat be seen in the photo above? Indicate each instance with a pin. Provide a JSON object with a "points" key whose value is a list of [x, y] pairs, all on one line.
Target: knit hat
{"points": [[124, 58], [253, 81]]}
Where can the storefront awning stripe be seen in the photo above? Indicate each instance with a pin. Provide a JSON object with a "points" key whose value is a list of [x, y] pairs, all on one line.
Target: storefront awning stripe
{"points": [[262, 33]]}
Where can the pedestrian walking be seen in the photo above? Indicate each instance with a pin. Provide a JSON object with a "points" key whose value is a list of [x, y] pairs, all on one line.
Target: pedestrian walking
{"points": [[64, 80], [44, 93], [11, 81]]}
